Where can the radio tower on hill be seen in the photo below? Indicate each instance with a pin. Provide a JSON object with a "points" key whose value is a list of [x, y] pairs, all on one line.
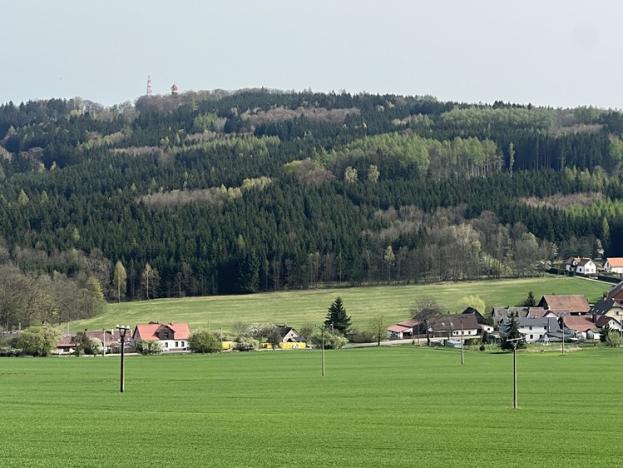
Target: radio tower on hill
{"points": [[148, 92]]}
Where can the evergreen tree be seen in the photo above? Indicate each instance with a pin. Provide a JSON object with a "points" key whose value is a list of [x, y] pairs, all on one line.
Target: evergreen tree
{"points": [[337, 317], [512, 332], [530, 300]]}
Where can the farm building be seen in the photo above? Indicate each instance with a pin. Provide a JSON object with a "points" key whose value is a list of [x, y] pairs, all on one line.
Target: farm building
{"points": [[581, 265], [583, 327], [454, 325], [534, 329], [565, 304], [172, 336]]}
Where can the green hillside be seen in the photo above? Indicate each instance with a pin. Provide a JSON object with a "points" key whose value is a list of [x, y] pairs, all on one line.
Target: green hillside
{"points": [[362, 303]]}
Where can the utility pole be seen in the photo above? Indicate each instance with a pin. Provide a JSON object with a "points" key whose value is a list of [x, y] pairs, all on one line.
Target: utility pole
{"points": [[462, 344], [322, 352], [123, 329], [515, 342], [562, 321]]}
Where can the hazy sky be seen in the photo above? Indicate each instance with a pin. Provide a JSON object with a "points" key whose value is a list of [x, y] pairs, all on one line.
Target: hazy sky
{"points": [[559, 53]]}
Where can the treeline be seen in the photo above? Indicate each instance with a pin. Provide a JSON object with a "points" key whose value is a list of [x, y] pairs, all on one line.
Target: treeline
{"points": [[219, 192]]}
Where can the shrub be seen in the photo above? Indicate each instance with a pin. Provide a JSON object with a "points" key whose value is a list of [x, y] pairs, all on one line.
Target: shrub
{"points": [[245, 343], [37, 341], [613, 339], [9, 351], [205, 342], [147, 347], [362, 336], [333, 340], [87, 345]]}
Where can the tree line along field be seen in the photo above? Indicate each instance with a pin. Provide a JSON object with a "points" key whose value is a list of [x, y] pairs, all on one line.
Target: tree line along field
{"points": [[310, 306], [404, 406]]}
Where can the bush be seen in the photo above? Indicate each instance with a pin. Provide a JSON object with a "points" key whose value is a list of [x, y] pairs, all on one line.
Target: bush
{"points": [[37, 341], [245, 343], [362, 336], [331, 340], [205, 342], [9, 351], [88, 345], [147, 347], [613, 339]]}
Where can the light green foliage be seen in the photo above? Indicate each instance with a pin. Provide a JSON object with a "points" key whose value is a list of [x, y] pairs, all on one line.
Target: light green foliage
{"points": [[613, 338], [22, 198], [148, 347], [468, 155], [476, 302], [381, 400], [203, 341], [204, 122], [350, 175], [373, 173], [37, 341], [364, 303], [258, 183], [332, 340], [473, 119]]}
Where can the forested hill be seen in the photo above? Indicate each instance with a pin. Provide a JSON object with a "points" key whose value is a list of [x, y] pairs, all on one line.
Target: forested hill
{"points": [[217, 192]]}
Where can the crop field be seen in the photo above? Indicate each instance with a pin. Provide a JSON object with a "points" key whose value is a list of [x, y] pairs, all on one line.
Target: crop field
{"points": [[403, 406], [362, 303]]}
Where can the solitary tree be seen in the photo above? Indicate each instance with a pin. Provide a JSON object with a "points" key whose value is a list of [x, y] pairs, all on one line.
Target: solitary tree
{"points": [[337, 317], [530, 300], [390, 259], [379, 329], [147, 274], [120, 279]]}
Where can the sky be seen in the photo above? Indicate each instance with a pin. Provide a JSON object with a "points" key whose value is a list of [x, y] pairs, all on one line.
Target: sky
{"points": [[555, 53]]}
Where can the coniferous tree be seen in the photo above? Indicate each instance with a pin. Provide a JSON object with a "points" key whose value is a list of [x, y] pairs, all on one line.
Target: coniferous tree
{"points": [[337, 317], [512, 332]]}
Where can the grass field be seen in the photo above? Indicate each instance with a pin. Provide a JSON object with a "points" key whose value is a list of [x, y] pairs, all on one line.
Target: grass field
{"points": [[362, 303], [400, 406]]}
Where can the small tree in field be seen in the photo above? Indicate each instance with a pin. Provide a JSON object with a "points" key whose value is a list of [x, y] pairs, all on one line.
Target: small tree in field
{"points": [[530, 301], [379, 329], [205, 342], [337, 317], [613, 339]]}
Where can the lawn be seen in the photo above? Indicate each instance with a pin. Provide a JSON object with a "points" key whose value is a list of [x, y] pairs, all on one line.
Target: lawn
{"points": [[362, 303], [402, 406]]}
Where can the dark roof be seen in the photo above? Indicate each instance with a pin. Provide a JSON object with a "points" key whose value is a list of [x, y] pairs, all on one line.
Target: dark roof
{"points": [[579, 324], [446, 323], [283, 330], [500, 313], [604, 306], [548, 323], [536, 312], [603, 320], [565, 303], [479, 317], [584, 261], [616, 293]]}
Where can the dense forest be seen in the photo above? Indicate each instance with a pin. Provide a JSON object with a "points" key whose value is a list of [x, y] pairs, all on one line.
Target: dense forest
{"points": [[237, 192]]}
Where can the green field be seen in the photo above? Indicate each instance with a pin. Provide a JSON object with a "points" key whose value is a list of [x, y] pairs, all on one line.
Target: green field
{"points": [[362, 303], [402, 406]]}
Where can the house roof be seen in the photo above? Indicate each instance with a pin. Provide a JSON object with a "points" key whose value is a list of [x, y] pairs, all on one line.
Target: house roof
{"points": [[572, 261], [578, 324], [584, 261], [565, 303], [410, 323], [536, 312], [548, 323], [617, 292], [604, 320], [605, 305], [398, 328], [446, 323], [283, 330], [615, 261], [149, 331], [471, 311], [66, 340]]}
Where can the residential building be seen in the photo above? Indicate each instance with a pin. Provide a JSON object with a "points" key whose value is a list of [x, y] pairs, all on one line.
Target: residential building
{"points": [[501, 313], [616, 293], [583, 327], [614, 265], [455, 326], [581, 265], [608, 307], [604, 321], [533, 329], [172, 336]]}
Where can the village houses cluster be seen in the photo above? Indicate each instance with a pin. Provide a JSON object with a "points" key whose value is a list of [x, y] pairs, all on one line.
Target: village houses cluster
{"points": [[555, 318]]}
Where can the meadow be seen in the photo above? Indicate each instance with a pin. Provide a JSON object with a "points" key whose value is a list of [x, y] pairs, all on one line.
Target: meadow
{"points": [[403, 406], [362, 303]]}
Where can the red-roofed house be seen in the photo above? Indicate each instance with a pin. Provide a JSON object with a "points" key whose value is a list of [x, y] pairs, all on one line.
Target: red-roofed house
{"points": [[614, 265], [172, 336], [565, 304], [582, 326]]}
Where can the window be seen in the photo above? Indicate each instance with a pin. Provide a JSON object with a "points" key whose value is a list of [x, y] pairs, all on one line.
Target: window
{"points": [[531, 337], [166, 345], [177, 344]]}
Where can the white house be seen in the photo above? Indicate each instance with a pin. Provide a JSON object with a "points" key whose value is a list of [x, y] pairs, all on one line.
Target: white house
{"points": [[614, 265], [581, 265], [171, 336], [533, 329]]}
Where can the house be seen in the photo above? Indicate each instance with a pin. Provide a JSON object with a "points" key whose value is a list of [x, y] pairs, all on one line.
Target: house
{"points": [[455, 326], [580, 265], [398, 332], [604, 321], [66, 344], [172, 336], [614, 265], [110, 339], [582, 326], [608, 307], [501, 313], [616, 293], [565, 304], [534, 329], [290, 338], [483, 324]]}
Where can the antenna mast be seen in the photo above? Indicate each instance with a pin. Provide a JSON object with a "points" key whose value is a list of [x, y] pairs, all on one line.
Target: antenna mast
{"points": [[148, 92]]}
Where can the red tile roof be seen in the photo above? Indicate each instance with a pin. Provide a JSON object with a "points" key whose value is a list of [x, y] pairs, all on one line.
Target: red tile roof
{"points": [[579, 324], [616, 262], [398, 329], [565, 303], [149, 331]]}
